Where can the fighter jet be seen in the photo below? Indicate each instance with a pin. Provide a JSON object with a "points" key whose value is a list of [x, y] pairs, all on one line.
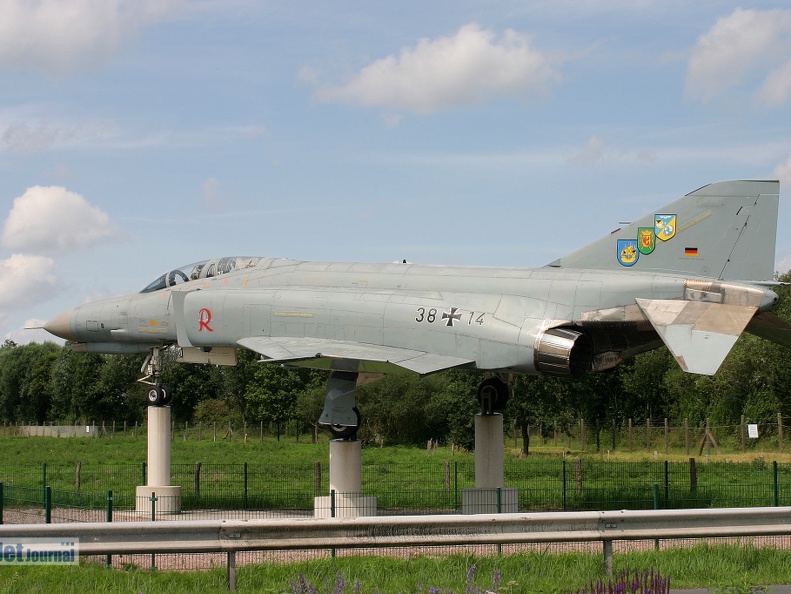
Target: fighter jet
{"points": [[692, 275]]}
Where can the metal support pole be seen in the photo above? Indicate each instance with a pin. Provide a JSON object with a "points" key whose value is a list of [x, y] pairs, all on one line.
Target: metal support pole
{"points": [[109, 560], [48, 505], [607, 557], [232, 570]]}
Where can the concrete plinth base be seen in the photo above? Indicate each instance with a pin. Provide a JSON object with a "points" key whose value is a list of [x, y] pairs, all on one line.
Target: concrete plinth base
{"points": [[489, 451], [168, 496], [490, 501], [347, 505], [346, 484], [168, 499]]}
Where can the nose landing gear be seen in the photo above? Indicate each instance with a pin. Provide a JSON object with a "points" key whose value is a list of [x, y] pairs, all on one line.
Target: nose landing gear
{"points": [[158, 394]]}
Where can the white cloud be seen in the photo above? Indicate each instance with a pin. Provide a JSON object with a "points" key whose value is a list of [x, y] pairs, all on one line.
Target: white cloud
{"points": [[26, 280], [591, 153], [62, 36], [783, 173], [213, 196], [49, 220], [776, 89], [471, 67], [742, 44]]}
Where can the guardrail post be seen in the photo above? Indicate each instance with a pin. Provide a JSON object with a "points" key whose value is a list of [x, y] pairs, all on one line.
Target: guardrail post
{"points": [[232, 570], [48, 505], [109, 518], [607, 556]]}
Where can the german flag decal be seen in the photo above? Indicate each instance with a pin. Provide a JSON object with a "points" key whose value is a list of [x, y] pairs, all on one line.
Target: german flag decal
{"points": [[690, 251]]}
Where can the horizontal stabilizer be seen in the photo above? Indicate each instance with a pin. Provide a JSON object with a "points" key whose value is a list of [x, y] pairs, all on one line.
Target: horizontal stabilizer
{"points": [[320, 353], [769, 326], [699, 334]]}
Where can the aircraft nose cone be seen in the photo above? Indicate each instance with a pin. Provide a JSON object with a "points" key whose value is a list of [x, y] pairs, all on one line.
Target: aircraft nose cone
{"points": [[60, 325]]}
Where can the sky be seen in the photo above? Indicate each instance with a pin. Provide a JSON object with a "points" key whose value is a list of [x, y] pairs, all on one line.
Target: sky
{"points": [[137, 136]]}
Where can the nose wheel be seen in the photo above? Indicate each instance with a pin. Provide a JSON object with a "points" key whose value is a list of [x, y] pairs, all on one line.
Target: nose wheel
{"points": [[159, 395]]}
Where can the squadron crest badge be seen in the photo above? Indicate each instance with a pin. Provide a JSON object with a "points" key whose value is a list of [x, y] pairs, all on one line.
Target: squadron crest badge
{"points": [[665, 226], [646, 240], [627, 252]]}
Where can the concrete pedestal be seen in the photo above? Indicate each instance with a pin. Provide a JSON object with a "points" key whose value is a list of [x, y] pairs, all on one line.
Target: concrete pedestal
{"points": [[489, 495], [345, 483], [158, 466]]}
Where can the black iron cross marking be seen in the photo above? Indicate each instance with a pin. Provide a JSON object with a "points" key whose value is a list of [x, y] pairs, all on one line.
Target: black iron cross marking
{"points": [[451, 316]]}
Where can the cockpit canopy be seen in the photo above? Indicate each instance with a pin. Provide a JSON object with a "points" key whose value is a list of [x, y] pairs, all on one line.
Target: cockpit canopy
{"points": [[199, 270]]}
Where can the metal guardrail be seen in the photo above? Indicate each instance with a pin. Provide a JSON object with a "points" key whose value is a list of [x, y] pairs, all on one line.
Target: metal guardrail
{"points": [[230, 536]]}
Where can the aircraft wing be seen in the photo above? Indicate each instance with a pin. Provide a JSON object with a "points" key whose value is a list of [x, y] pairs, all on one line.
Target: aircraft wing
{"points": [[320, 352]]}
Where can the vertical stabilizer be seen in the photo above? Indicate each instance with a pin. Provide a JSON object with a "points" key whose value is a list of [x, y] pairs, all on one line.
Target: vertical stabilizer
{"points": [[725, 230]]}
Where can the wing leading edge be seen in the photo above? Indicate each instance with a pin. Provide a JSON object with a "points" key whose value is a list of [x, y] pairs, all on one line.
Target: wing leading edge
{"points": [[368, 358]]}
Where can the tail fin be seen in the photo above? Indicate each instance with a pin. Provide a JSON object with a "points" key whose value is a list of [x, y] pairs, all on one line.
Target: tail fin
{"points": [[725, 230]]}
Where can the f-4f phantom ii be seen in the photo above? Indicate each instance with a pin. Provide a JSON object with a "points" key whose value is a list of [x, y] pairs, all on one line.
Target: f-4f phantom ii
{"points": [[692, 275]]}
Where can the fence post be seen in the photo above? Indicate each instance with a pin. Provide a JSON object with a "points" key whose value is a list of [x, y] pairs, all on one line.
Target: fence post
{"points": [[316, 478], [630, 435], [693, 475], [742, 431], [613, 436], [77, 469], [197, 479], [656, 506], [667, 435], [109, 560], [48, 505], [43, 475], [686, 436], [153, 500], [456, 485], [245, 485], [1, 503], [667, 483], [648, 434], [780, 431], [775, 484], [564, 484]]}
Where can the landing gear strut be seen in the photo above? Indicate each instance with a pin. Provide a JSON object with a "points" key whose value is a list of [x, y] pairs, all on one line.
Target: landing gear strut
{"points": [[340, 414], [158, 394], [493, 395]]}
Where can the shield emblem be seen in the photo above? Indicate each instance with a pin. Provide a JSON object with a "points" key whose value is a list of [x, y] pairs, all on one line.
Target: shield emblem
{"points": [[665, 226], [646, 240], [627, 252]]}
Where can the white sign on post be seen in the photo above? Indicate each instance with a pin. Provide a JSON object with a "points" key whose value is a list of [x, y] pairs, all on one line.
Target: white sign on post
{"points": [[752, 431]]}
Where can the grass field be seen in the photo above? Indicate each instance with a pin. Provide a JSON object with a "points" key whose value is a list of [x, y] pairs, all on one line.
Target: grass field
{"points": [[714, 566], [739, 568]]}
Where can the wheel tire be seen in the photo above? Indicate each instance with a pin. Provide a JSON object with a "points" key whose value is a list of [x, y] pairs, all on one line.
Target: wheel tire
{"points": [[495, 392], [155, 396], [346, 431], [167, 395]]}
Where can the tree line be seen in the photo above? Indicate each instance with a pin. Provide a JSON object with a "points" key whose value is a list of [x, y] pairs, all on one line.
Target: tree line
{"points": [[46, 383]]}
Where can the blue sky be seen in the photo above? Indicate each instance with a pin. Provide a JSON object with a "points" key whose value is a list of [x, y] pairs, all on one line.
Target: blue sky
{"points": [[140, 135]]}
